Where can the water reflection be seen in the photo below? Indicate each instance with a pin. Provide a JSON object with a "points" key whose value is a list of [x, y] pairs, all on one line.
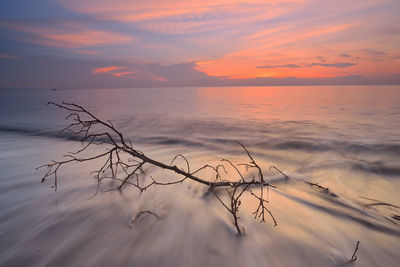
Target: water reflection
{"points": [[313, 103]]}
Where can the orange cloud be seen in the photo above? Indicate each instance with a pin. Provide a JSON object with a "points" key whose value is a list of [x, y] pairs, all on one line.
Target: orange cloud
{"points": [[123, 10], [231, 38], [270, 47], [180, 17], [158, 78], [119, 74], [105, 69], [116, 72]]}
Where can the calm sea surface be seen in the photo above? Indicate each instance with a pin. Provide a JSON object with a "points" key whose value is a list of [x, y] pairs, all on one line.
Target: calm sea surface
{"points": [[346, 138]]}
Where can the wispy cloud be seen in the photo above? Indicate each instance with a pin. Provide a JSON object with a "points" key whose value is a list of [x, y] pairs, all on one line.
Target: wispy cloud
{"points": [[286, 45], [330, 65], [130, 72], [345, 55], [105, 69], [373, 52], [119, 74], [66, 34], [87, 52], [7, 56], [124, 10]]}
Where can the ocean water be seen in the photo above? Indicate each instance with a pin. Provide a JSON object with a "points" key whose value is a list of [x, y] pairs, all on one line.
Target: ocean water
{"points": [[345, 138]]}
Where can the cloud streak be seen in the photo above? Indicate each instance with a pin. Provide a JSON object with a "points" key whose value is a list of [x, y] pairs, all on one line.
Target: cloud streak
{"points": [[66, 34], [105, 69], [7, 56], [329, 65], [137, 72]]}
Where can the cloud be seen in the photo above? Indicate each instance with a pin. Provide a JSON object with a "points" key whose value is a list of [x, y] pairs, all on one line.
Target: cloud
{"points": [[373, 52], [222, 19], [126, 10], [7, 56], [119, 74], [375, 55], [281, 66], [105, 69], [331, 65], [212, 40], [322, 59], [184, 17], [86, 52], [138, 71], [294, 42], [66, 34], [335, 65], [56, 72]]}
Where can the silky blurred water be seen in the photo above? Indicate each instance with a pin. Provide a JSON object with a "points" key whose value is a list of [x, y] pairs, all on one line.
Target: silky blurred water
{"points": [[345, 138]]}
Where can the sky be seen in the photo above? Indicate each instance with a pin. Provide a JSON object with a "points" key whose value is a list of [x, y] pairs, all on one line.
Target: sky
{"points": [[130, 43]]}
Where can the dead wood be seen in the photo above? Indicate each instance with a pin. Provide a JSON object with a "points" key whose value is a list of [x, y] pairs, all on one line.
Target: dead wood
{"points": [[322, 188], [354, 256], [140, 213], [123, 163]]}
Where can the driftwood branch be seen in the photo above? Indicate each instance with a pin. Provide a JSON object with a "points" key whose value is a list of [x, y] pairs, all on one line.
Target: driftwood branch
{"points": [[123, 163], [322, 188], [354, 256], [140, 213]]}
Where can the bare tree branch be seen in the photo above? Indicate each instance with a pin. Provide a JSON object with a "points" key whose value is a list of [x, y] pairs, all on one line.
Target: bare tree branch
{"points": [[124, 164]]}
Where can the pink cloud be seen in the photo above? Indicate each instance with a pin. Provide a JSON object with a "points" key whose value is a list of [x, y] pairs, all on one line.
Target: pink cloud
{"points": [[119, 74], [67, 34], [117, 71], [87, 52], [105, 69], [180, 17], [156, 9], [7, 56], [158, 78]]}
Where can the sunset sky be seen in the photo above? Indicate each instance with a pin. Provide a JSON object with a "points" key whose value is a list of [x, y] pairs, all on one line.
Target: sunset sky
{"points": [[154, 43]]}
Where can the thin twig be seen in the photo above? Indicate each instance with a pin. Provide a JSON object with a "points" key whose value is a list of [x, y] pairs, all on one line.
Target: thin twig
{"points": [[324, 189], [140, 214], [354, 256]]}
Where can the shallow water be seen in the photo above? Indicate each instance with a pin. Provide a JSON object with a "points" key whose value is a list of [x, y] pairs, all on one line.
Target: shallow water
{"points": [[345, 138]]}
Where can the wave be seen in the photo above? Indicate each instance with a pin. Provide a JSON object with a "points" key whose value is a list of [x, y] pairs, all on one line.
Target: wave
{"points": [[377, 167], [366, 221], [40, 132], [310, 145], [323, 146]]}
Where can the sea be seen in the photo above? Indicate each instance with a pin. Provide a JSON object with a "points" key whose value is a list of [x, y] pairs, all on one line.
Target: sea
{"points": [[339, 147]]}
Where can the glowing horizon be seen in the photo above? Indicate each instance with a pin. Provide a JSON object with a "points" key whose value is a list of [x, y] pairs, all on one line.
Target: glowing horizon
{"points": [[195, 43]]}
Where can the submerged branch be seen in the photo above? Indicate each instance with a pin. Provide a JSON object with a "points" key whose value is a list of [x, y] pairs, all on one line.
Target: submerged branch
{"points": [[130, 225], [354, 256], [322, 188]]}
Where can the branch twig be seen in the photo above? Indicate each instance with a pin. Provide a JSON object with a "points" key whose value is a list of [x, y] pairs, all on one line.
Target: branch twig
{"points": [[354, 256], [130, 225]]}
